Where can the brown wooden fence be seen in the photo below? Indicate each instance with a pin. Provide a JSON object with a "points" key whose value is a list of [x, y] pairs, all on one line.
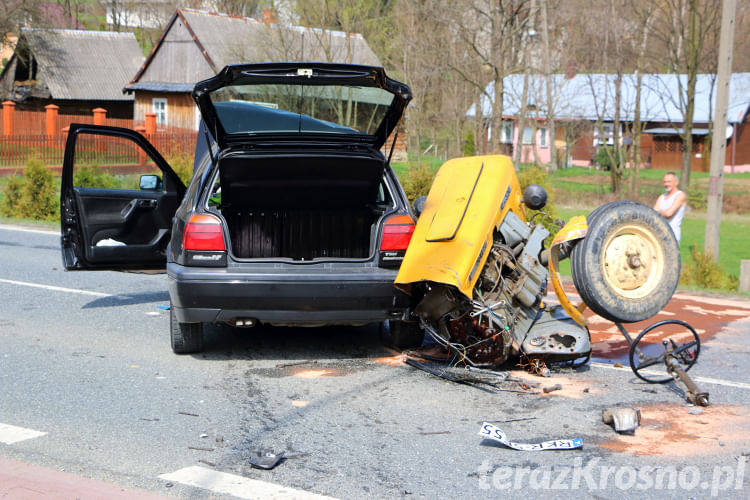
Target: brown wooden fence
{"points": [[102, 151], [42, 134]]}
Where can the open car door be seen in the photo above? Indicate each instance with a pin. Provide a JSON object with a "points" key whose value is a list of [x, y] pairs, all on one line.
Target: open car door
{"points": [[117, 200]]}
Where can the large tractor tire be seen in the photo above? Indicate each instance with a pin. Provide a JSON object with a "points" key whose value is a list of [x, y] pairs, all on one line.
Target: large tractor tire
{"points": [[627, 267]]}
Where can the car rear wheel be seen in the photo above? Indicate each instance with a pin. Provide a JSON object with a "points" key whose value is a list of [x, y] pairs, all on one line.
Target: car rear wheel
{"points": [[628, 265], [187, 338], [405, 334]]}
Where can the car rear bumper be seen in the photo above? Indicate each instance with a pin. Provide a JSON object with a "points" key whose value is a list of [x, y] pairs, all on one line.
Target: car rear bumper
{"points": [[300, 295]]}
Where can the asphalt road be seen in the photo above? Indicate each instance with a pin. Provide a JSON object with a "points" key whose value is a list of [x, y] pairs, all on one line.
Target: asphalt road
{"points": [[86, 363]]}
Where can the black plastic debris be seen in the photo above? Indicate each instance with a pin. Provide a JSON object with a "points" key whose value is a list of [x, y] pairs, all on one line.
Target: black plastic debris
{"points": [[266, 461]]}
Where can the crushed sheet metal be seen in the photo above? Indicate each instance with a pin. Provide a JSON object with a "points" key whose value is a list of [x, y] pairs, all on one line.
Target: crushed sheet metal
{"points": [[494, 433], [624, 420]]}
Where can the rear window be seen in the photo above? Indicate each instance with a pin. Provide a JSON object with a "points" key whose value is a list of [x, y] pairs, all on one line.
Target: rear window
{"points": [[285, 108]]}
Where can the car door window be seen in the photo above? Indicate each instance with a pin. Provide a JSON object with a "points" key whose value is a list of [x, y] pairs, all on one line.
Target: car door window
{"points": [[107, 175], [118, 199]]}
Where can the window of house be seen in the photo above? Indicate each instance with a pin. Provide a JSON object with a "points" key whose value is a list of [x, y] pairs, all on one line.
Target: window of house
{"points": [[607, 137], [159, 106], [506, 133], [543, 137], [528, 134]]}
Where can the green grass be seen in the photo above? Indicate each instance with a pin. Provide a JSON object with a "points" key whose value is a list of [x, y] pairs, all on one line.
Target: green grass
{"points": [[733, 246], [402, 167]]}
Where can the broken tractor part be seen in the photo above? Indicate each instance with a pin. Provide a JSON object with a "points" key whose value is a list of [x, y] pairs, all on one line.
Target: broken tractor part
{"points": [[624, 420], [665, 351]]}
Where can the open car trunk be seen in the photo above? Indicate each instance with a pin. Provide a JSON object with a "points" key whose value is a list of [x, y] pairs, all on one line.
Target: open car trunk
{"points": [[303, 207]]}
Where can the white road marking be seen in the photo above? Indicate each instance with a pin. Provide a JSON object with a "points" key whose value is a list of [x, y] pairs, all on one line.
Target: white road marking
{"points": [[705, 380], [57, 288], [238, 486], [27, 230], [10, 434]]}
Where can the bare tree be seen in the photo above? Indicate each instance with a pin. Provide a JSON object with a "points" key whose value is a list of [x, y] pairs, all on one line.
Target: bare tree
{"points": [[493, 33], [683, 27], [15, 14], [646, 19], [548, 84]]}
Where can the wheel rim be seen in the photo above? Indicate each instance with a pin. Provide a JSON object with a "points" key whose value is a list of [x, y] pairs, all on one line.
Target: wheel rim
{"points": [[632, 261]]}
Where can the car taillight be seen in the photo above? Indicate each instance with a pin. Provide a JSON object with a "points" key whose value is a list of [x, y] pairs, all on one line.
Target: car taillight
{"points": [[397, 232], [203, 232]]}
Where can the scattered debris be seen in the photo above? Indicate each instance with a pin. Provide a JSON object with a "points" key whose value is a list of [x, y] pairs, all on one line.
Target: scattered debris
{"points": [[219, 439], [434, 433], [625, 420], [536, 366], [695, 411], [618, 365], [198, 448], [149, 419], [586, 389], [512, 420], [165, 308], [652, 391], [210, 464], [152, 313], [188, 414], [296, 363], [458, 375], [266, 461], [299, 403], [553, 388], [494, 433], [204, 435], [168, 485]]}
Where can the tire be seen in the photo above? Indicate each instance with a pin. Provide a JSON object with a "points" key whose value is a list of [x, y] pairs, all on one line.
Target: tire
{"points": [[405, 334], [187, 338], [628, 265]]}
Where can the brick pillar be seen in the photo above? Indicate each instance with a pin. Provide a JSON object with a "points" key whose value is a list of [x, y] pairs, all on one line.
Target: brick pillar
{"points": [[8, 110], [50, 115], [150, 123], [99, 115], [141, 153]]}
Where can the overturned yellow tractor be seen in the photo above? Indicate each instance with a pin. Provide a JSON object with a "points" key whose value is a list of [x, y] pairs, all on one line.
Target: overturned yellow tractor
{"points": [[478, 271]]}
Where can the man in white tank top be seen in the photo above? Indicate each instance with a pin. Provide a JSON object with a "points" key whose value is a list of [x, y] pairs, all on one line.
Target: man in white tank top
{"points": [[671, 205]]}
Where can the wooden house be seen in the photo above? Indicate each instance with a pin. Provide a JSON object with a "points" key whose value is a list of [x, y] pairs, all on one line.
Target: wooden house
{"points": [[197, 44], [584, 112], [73, 69]]}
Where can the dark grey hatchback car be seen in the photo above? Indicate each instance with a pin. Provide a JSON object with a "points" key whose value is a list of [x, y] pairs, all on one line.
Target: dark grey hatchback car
{"points": [[293, 215]]}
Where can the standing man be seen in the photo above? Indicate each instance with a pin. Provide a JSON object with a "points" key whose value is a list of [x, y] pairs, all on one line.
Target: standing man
{"points": [[671, 205]]}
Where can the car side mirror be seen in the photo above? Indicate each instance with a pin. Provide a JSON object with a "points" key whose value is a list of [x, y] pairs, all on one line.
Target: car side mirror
{"points": [[150, 182], [418, 205]]}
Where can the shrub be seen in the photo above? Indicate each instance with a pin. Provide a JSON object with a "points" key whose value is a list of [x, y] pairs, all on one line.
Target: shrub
{"points": [[182, 164], [39, 198], [605, 155], [418, 182], [535, 175], [697, 199], [94, 177], [470, 148], [703, 271], [10, 205]]}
